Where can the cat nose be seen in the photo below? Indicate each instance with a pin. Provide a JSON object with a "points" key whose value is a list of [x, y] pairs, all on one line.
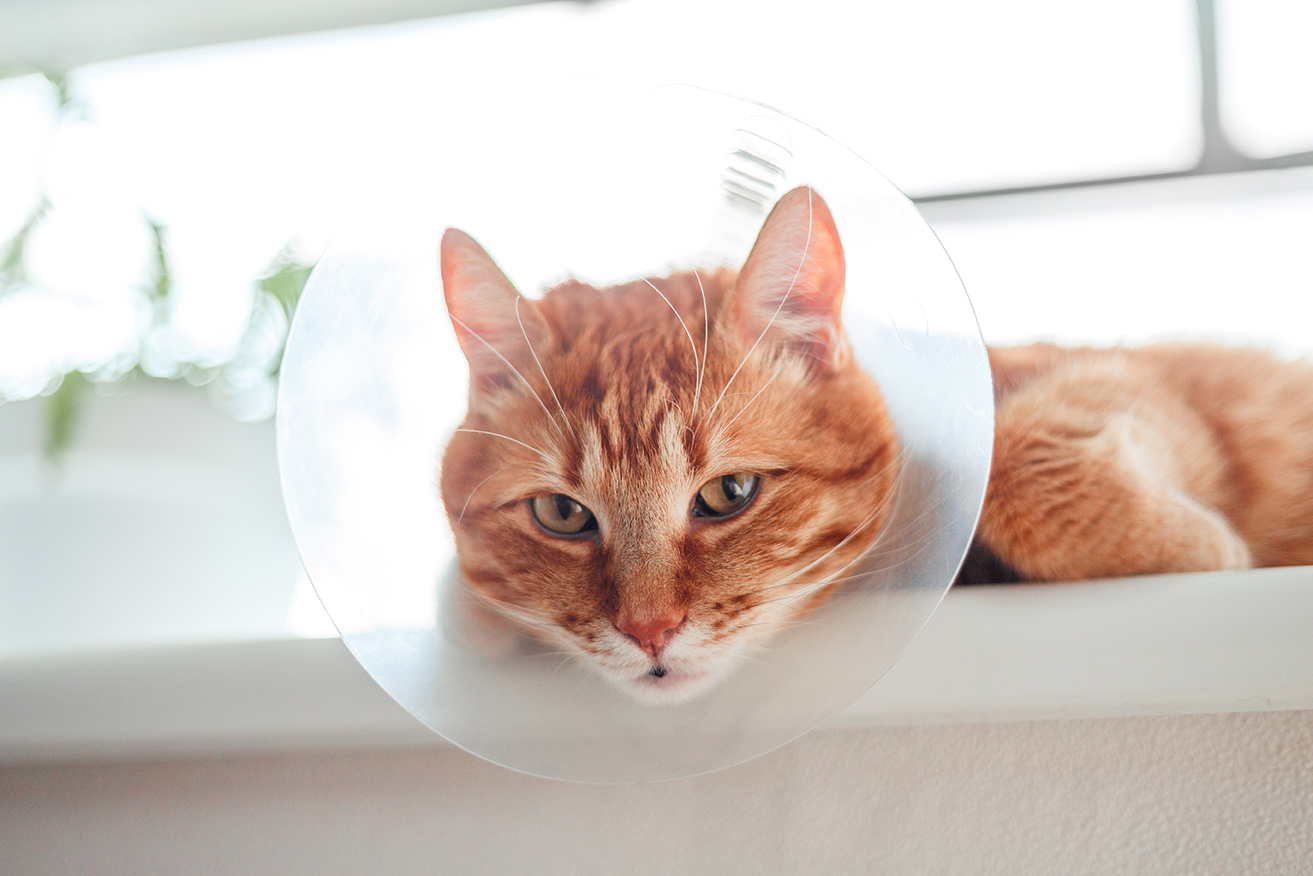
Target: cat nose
{"points": [[652, 632]]}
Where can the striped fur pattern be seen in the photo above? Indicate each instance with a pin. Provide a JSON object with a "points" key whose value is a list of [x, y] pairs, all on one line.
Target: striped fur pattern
{"points": [[630, 399], [1166, 458]]}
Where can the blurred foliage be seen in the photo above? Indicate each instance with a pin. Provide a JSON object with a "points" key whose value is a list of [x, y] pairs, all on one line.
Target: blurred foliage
{"points": [[61, 414], [240, 380], [12, 273], [285, 281], [248, 370], [62, 88], [282, 284], [163, 276]]}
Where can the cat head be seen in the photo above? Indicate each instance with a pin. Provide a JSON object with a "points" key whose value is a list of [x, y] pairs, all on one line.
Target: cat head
{"points": [[661, 473]]}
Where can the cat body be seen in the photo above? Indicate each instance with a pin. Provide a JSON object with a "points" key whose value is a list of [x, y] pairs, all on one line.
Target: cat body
{"points": [[1166, 458], [659, 474]]}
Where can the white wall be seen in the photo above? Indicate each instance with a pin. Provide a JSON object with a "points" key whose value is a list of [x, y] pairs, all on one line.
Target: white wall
{"points": [[1179, 795]]}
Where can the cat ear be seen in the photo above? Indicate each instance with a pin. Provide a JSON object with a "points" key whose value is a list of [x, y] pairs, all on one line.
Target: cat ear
{"points": [[791, 287], [494, 324]]}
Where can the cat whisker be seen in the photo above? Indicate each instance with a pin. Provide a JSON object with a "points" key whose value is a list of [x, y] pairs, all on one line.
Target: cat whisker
{"points": [[787, 292], [591, 669], [544, 626], [463, 508], [561, 658], [914, 548], [706, 338], [922, 538], [764, 648], [822, 558], [799, 622], [754, 398], [901, 561], [519, 613], [558, 653], [687, 428], [889, 561], [915, 543], [808, 588], [853, 577], [543, 372], [805, 589], [918, 546], [697, 363], [748, 658], [919, 535], [508, 438], [507, 363], [562, 662], [884, 502]]}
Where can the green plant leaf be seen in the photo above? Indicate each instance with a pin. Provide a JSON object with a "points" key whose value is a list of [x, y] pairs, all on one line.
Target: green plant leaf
{"points": [[286, 279], [61, 415], [162, 283], [12, 272]]}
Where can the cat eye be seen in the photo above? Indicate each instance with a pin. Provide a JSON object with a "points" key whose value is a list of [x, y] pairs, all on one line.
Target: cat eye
{"points": [[561, 515], [725, 495]]}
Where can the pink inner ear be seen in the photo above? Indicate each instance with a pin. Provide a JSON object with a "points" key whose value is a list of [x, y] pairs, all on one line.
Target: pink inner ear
{"points": [[493, 323], [476, 290], [792, 283]]}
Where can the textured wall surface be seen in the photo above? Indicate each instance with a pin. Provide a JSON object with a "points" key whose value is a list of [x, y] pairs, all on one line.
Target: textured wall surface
{"points": [[1180, 795]]}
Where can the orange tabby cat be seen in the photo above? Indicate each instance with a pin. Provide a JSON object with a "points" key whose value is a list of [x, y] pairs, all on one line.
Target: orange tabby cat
{"points": [[660, 473]]}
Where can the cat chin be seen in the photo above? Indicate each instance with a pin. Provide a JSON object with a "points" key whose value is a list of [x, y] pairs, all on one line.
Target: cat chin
{"points": [[687, 677], [676, 686]]}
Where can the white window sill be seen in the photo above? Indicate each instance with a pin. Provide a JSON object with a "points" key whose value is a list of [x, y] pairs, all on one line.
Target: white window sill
{"points": [[1179, 644], [1159, 645]]}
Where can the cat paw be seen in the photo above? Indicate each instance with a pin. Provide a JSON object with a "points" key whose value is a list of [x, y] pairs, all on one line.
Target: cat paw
{"points": [[1229, 550], [1199, 539]]}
